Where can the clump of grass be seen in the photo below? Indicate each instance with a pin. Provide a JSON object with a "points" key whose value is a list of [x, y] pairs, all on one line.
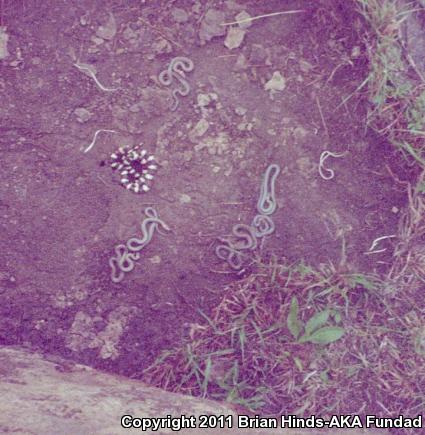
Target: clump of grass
{"points": [[396, 85], [291, 339], [263, 345], [408, 269]]}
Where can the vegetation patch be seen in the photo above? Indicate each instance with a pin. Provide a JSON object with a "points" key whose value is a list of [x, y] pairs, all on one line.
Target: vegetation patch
{"points": [[290, 339]]}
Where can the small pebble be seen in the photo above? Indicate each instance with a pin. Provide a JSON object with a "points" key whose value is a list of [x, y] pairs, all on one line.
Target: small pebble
{"points": [[211, 25], [242, 16], [96, 40], [185, 199], [234, 38], [156, 259], [4, 37], [200, 128], [239, 110], [276, 83], [241, 63], [83, 115], [300, 133], [204, 100], [109, 30], [179, 15]]}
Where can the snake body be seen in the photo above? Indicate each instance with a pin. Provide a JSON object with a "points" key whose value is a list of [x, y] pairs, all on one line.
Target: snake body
{"points": [[177, 70], [126, 255], [122, 263], [148, 226], [323, 157], [263, 225], [244, 237], [267, 202]]}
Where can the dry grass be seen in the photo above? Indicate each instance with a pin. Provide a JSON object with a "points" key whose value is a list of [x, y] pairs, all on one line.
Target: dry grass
{"points": [[395, 85], [246, 354]]}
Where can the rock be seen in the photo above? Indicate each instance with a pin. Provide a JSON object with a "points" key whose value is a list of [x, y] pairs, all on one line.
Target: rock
{"points": [[205, 99], [245, 126], [211, 25], [83, 20], [83, 115], [355, 52], [161, 46], [187, 155], [134, 108], [96, 40], [51, 391], [233, 5], [241, 63], [244, 17], [234, 38], [156, 259], [199, 130], [109, 30], [239, 110], [129, 33], [300, 133], [276, 84], [184, 198], [305, 66], [4, 37], [84, 333], [179, 15], [196, 8]]}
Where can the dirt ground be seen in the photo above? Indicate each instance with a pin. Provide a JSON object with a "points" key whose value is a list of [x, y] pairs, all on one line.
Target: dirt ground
{"points": [[281, 95]]}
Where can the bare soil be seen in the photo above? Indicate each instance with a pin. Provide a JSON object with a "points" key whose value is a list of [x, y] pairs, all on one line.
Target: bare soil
{"points": [[62, 211]]}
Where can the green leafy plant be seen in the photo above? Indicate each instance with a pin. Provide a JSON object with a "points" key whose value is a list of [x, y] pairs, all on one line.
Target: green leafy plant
{"points": [[315, 330]]}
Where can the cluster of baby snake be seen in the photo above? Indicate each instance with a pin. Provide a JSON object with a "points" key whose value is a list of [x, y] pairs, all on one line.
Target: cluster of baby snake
{"points": [[244, 237], [125, 255], [176, 72]]}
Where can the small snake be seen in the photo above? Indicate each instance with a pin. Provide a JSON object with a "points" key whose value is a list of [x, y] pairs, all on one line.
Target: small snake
{"points": [[176, 70], [263, 225], [267, 202], [323, 157], [231, 255], [124, 261], [244, 235], [242, 238], [148, 226]]}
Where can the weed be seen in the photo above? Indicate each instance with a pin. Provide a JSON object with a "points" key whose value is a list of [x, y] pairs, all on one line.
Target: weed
{"points": [[396, 86]]}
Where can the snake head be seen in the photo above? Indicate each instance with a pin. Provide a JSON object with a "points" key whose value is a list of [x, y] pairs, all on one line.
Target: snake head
{"points": [[165, 226]]}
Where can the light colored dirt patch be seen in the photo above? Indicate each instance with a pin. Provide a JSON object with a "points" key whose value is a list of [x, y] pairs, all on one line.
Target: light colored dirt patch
{"points": [[83, 335]]}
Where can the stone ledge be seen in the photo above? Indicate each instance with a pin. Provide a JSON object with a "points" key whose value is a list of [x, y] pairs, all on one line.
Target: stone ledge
{"points": [[50, 395]]}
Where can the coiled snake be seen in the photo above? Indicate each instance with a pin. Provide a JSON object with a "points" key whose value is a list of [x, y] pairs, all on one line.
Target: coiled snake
{"points": [[126, 255], [244, 237], [176, 70]]}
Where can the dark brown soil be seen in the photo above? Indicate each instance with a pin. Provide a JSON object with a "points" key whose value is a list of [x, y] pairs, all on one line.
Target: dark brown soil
{"points": [[62, 211]]}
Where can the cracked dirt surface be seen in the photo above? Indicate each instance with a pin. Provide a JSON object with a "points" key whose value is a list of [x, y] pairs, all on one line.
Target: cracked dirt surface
{"points": [[278, 95]]}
